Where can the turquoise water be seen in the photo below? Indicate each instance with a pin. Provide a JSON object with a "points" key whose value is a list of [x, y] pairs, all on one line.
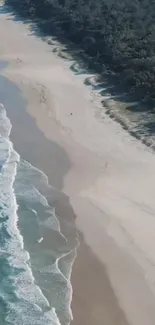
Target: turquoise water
{"points": [[36, 257]]}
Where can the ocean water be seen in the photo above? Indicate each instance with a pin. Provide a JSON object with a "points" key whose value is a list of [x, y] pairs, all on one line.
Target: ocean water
{"points": [[36, 257]]}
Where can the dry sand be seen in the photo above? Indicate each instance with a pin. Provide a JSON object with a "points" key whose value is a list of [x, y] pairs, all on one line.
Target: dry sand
{"points": [[109, 178]]}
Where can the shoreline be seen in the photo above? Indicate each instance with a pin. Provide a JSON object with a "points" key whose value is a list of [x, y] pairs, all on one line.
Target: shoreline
{"points": [[107, 175], [102, 306], [64, 212]]}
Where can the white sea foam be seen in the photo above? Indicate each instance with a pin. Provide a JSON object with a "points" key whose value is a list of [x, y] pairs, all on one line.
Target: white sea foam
{"points": [[29, 191], [28, 294], [29, 306], [32, 195]]}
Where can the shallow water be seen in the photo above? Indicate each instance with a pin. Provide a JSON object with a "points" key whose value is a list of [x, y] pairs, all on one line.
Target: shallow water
{"points": [[3, 64], [35, 256]]}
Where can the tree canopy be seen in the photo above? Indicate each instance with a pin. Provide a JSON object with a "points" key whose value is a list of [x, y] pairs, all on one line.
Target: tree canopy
{"points": [[119, 33]]}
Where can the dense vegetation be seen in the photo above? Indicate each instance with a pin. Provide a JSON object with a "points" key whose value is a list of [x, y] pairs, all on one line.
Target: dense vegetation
{"points": [[119, 33]]}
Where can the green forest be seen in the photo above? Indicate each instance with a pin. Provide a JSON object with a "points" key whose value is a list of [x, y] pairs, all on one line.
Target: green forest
{"points": [[119, 34]]}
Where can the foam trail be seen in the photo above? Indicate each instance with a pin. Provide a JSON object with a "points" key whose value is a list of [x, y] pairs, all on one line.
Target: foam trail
{"points": [[25, 301], [29, 305], [31, 194]]}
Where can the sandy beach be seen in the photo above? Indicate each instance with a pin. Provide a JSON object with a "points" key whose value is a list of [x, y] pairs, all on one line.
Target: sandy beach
{"points": [[102, 177]]}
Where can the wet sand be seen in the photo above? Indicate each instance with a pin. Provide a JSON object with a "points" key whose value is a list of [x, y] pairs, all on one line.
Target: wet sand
{"points": [[89, 279], [101, 177], [93, 297]]}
